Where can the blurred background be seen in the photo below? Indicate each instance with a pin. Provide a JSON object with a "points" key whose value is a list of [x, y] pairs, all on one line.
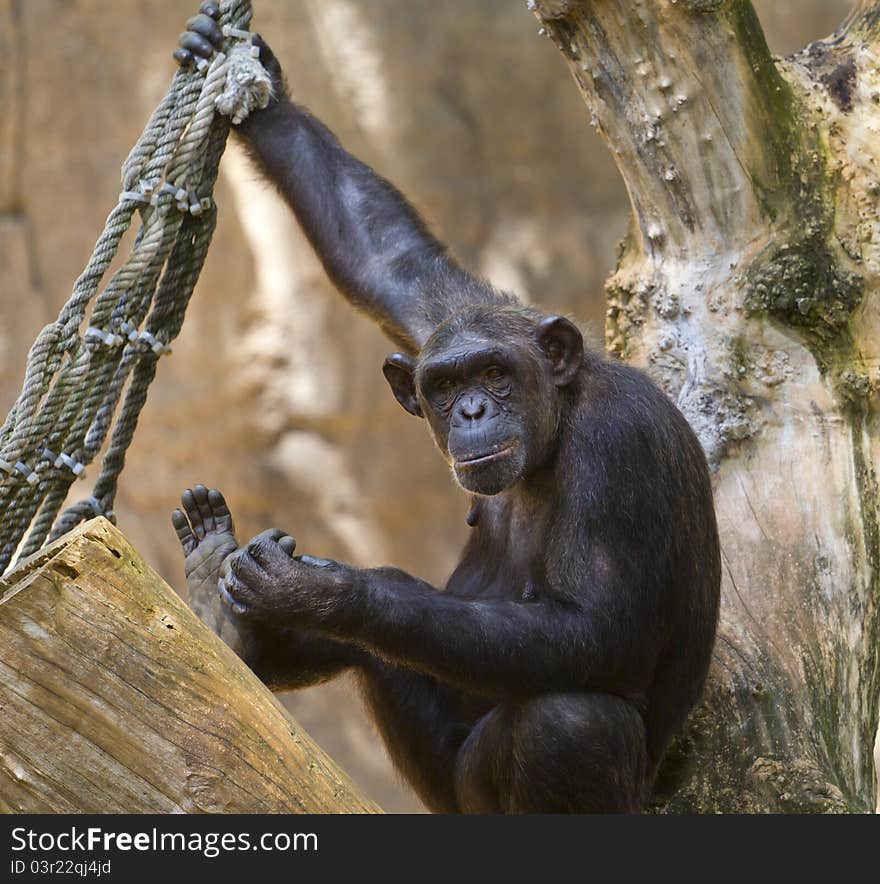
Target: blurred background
{"points": [[274, 391]]}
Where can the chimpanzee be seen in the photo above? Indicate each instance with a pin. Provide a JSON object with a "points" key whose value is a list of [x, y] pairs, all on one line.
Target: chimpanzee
{"points": [[575, 635]]}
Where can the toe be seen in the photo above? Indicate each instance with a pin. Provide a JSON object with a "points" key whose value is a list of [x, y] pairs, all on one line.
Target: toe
{"points": [[191, 508], [222, 516], [288, 544], [184, 532], [200, 493]]}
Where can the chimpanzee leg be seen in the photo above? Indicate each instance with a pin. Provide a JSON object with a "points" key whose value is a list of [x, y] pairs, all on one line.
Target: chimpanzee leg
{"points": [[418, 720], [559, 753]]}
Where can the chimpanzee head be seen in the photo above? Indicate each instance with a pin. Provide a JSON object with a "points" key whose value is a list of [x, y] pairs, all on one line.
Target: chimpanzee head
{"points": [[491, 382]]}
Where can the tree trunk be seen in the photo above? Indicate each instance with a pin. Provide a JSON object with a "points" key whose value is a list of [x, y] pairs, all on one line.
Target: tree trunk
{"points": [[115, 698], [748, 288]]}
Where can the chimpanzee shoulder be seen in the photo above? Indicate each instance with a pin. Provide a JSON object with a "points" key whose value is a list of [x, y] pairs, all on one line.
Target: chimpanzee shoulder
{"points": [[630, 467]]}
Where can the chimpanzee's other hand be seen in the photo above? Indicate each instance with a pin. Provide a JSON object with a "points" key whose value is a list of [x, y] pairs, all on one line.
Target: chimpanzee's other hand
{"points": [[203, 37], [273, 66], [261, 580]]}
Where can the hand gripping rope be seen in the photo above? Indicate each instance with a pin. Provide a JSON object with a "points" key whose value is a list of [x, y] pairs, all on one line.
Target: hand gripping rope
{"points": [[75, 380]]}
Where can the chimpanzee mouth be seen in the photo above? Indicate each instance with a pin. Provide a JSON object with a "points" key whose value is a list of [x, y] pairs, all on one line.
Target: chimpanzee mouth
{"points": [[480, 460]]}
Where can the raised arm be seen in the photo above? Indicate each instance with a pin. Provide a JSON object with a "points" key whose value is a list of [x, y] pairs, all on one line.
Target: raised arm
{"points": [[374, 245]]}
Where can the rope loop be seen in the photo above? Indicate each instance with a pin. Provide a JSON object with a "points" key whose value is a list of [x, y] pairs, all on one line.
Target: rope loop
{"points": [[82, 389]]}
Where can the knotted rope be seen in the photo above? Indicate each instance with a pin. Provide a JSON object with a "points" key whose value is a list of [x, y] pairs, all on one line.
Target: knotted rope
{"points": [[75, 378]]}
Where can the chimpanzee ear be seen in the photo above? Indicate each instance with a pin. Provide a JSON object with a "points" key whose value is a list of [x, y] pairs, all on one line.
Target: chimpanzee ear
{"points": [[563, 345], [398, 370]]}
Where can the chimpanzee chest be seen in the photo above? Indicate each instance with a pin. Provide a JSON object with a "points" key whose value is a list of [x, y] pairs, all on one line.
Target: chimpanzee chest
{"points": [[505, 557]]}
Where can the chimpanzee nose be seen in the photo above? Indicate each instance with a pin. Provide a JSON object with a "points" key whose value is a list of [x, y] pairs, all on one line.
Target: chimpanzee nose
{"points": [[472, 407]]}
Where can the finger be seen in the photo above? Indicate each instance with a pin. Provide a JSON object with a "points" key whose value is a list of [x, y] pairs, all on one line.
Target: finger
{"points": [[273, 534], [200, 493], [315, 563], [191, 508], [288, 545], [244, 567], [264, 546], [183, 57], [222, 516], [184, 532], [266, 54], [207, 28], [196, 44], [229, 600], [210, 8]]}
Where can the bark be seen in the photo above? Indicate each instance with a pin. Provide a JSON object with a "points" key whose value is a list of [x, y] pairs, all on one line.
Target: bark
{"points": [[748, 287], [115, 698]]}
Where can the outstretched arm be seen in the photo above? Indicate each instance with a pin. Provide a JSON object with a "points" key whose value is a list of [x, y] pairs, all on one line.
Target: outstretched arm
{"points": [[372, 242], [502, 647]]}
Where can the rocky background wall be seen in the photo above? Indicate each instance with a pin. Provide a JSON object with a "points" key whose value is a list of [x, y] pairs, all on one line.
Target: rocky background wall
{"points": [[274, 391]]}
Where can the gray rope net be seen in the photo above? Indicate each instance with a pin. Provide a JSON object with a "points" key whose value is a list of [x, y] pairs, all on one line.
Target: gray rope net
{"points": [[104, 346]]}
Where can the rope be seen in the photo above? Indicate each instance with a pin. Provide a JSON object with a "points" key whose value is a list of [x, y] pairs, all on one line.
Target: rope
{"points": [[77, 377]]}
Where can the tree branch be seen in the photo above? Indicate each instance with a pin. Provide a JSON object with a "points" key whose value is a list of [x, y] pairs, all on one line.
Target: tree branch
{"points": [[863, 23], [702, 124]]}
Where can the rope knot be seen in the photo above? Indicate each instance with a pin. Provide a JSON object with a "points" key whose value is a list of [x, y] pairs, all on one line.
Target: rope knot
{"points": [[248, 84]]}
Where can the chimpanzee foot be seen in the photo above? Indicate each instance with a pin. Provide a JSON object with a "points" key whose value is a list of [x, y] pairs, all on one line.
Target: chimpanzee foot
{"points": [[206, 534], [204, 529]]}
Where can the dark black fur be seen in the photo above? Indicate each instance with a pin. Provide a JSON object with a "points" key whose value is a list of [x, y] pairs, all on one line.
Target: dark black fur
{"points": [[575, 635]]}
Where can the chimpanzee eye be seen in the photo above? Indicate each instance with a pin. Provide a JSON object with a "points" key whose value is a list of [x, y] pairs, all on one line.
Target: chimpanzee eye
{"points": [[443, 390], [495, 376]]}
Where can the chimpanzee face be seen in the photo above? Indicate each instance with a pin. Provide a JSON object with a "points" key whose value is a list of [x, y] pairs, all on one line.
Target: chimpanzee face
{"points": [[492, 402], [473, 397]]}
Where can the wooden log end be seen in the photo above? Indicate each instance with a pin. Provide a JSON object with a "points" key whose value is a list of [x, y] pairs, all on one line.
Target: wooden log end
{"points": [[116, 698]]}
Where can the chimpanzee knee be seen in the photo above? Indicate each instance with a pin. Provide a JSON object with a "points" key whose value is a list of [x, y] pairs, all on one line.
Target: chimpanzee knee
{"points": [[558, 753]]}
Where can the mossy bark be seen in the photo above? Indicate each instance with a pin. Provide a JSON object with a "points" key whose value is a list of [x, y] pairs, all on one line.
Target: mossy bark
{"points": [[748, 287]]}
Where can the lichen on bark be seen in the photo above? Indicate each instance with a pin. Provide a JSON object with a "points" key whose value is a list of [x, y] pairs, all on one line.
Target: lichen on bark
{"points": [[747, 286], [805, 285]]}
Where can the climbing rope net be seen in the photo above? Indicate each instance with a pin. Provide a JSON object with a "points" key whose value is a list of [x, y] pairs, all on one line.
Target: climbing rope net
{"points": [[104, 346]]}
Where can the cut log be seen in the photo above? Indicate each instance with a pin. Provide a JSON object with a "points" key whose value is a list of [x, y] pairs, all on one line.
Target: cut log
{"points": [[116, 698]]}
